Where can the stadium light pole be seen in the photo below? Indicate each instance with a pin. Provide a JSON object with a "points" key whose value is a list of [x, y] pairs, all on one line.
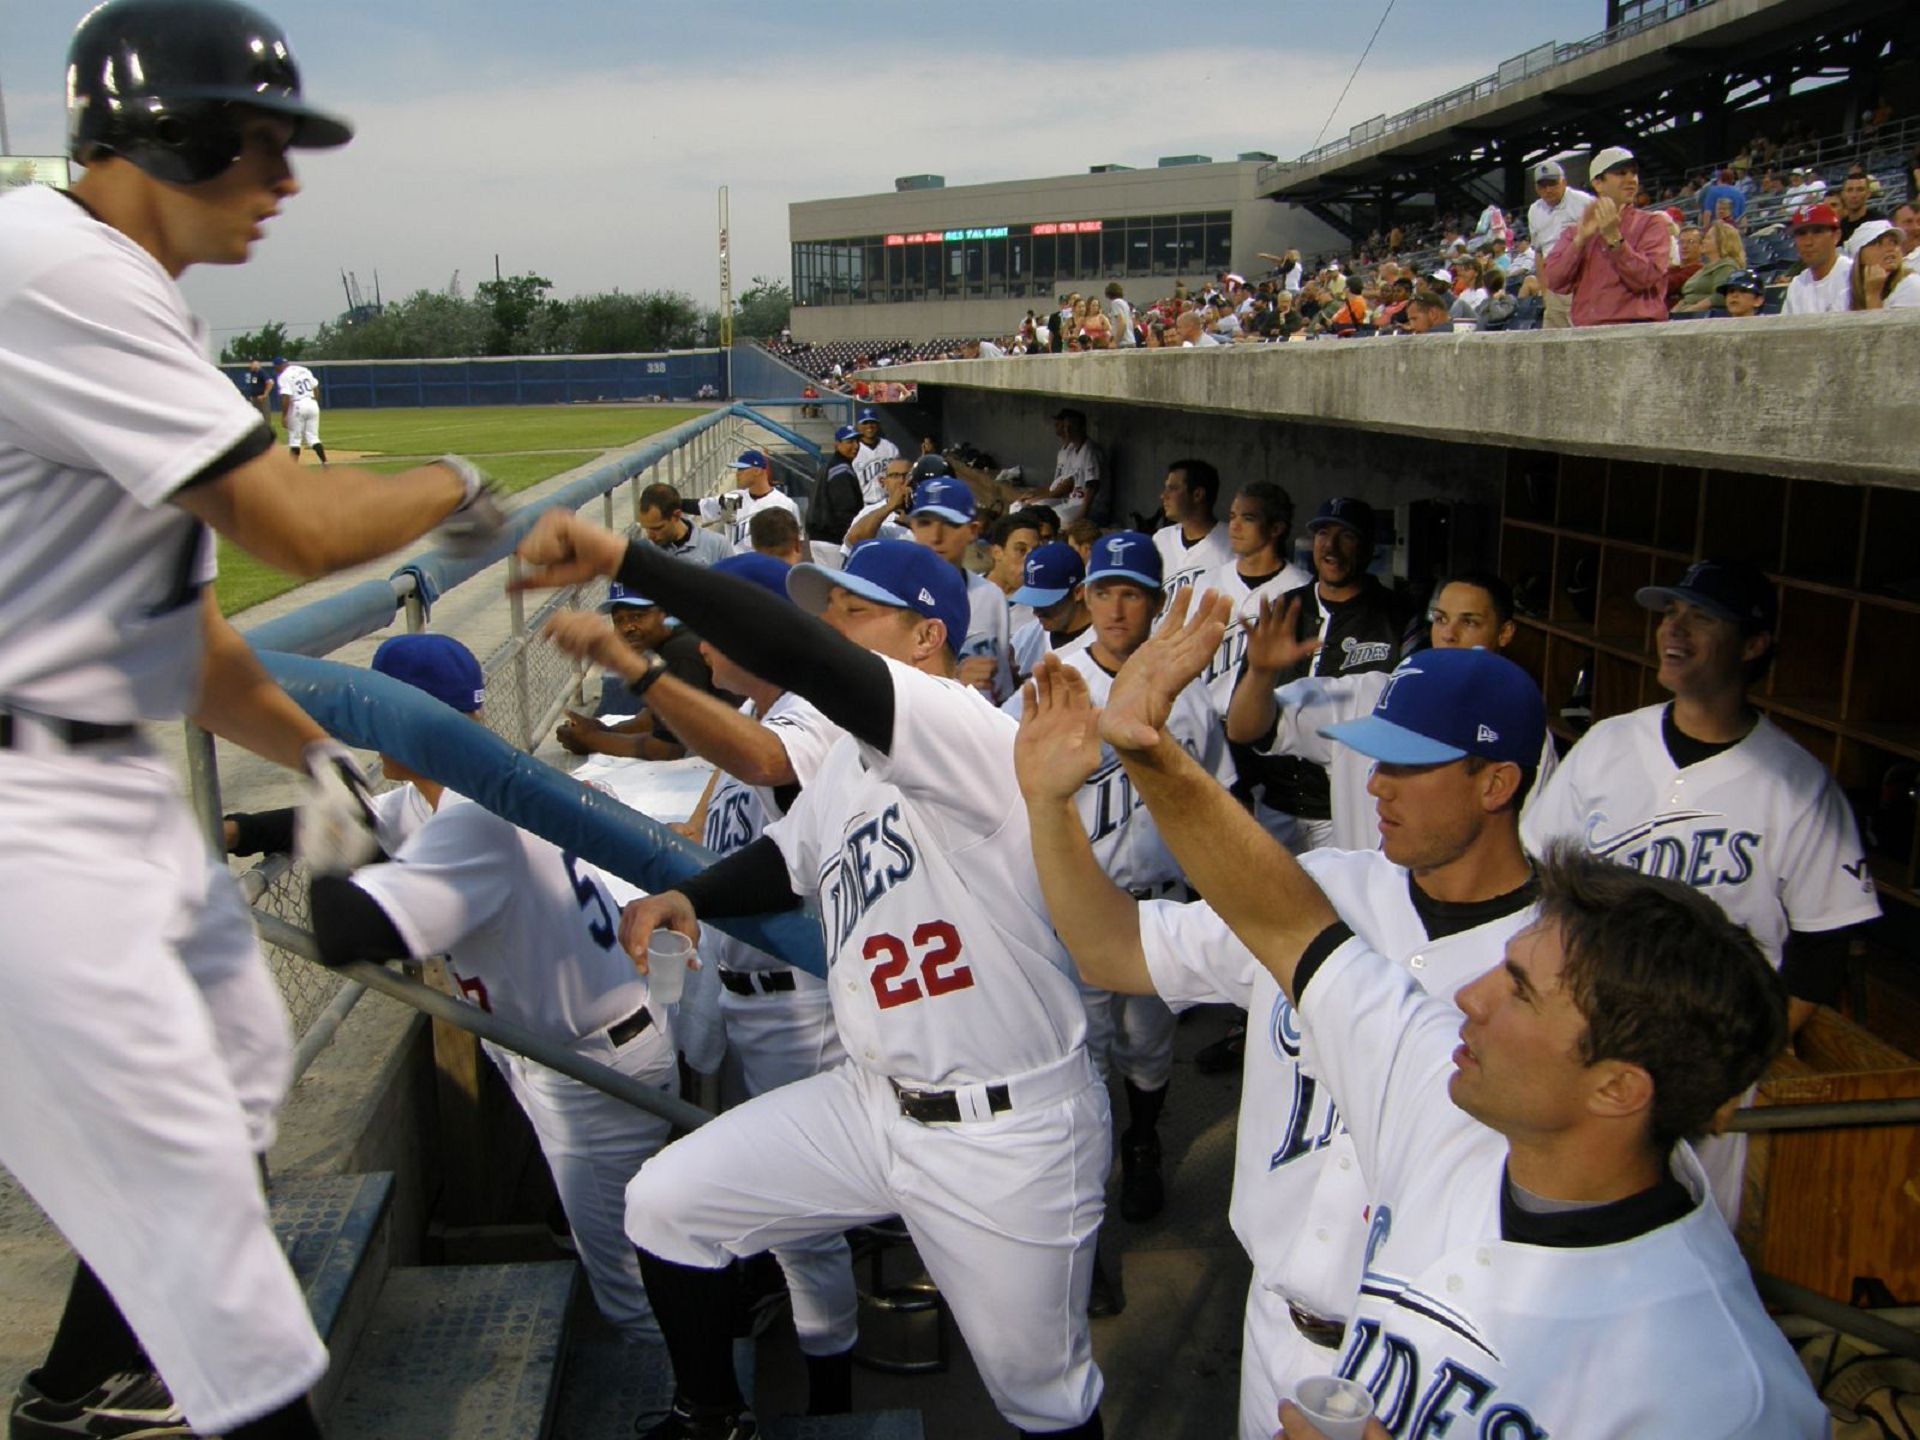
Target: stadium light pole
{"points": [[726, 301]]}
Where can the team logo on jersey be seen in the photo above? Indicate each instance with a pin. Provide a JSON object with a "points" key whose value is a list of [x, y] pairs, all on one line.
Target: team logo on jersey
{"points": [[1312, 1119], [1364, 652], [875, 855], [730, 820], [1412, 1400], [1700, 856], [1858, 870]]}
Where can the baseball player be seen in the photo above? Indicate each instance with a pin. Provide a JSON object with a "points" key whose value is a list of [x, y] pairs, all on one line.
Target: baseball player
{"points": [[1134, 1030], [1450, 888], [778, 1020], [1542, 1257], [142, 1037], [1707, 791], [871, 460], [753, 473], [530, 933], [1052, 591], [885, 518], [838, 496], [941, 517], [1192, 543], [299, 391], [968, 1106], [1470, 611], [663, 523]]}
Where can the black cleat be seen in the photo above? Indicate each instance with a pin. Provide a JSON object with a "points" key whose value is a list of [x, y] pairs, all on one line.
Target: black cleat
{"points": [[1143, 1194], [131, 1406], [681, 1423]]}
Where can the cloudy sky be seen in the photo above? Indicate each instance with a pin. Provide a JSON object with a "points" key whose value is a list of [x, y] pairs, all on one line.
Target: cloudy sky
{"points": [[586, 139]]}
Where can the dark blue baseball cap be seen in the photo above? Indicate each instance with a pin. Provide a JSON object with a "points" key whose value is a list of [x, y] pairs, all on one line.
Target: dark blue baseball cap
{"points": [[1731, 589], [899, 573], [845, 432], [868, 416], [1354, 515], [756, 569], [751, 460], [1126, 555], [619, 597], [1051, 572], [1743, 280], [943, 497], [1443, 705], [437, 664]]}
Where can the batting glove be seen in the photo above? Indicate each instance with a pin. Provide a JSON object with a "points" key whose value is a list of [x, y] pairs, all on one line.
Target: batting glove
{"points": [[335, 831], [480, 516]]}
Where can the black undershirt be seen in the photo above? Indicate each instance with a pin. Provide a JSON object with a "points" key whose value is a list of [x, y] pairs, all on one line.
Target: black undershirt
{"points": [[1684, 749], [1441, 918], [1058, 638], [1254, 582], [1589, 1226]]}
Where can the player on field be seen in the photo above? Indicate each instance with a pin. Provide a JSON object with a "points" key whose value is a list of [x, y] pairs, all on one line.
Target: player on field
{"points": [[968, 1106], [299, 392], [143, 1049]]}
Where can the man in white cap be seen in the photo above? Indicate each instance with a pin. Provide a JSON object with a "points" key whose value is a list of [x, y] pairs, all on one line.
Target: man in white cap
{"points": [[1613, 264], [1559, 207]]}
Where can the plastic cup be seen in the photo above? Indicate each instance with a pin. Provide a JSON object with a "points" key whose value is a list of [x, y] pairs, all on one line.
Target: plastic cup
{"points": [[1463, 327], [667, 954], [1338, 1408]]}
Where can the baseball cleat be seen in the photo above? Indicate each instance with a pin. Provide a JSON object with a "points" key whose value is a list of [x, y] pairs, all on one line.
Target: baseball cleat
{"points": [[131, 1406], [1143, 1194], [682, 1424]]}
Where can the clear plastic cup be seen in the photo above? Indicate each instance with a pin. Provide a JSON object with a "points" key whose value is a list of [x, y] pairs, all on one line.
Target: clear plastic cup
{"points": [[1465, 327], [667, 954], [1338, 1408]]}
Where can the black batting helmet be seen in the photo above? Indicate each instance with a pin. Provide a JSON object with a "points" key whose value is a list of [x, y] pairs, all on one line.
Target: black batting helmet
{"points": [[929, 466], [163, 84]]}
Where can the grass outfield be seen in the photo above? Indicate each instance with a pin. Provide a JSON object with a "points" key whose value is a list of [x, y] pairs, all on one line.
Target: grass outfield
{"points": [[519, 446]]}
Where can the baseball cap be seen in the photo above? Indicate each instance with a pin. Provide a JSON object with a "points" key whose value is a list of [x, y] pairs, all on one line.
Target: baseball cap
{"points": [[1548, 170], [928, 466], [899, 573], [1355, 515], [1069, 414], [619, 597], [756, 569], [846, 432], [1126, 555], [751, 460], [1867, 232], [1732, 589], [437, 664], [1744, 280], [1814, 217], [1443, 705], [1052, 570], [1611, 158], [943, 497], [868, 417], [279, 359]]}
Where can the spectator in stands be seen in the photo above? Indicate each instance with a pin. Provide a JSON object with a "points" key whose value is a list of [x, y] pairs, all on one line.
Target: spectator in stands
{"points": [[663, 525], [1392, 314], [1081, 535], [1686, 264], [1120, 316], [1523, 261], [836, 496], [1469, 293], [1743, 294], [1192, 331], [1906, 219], [1856, 193], [1096, 333], [1426, 314], [1880, 279], [1721, 253], [1558, 210], [1803, 189], [1722, 200], [1498, 311], [987, 350], [1823, 286], [1614, 261], [1529, 304]]}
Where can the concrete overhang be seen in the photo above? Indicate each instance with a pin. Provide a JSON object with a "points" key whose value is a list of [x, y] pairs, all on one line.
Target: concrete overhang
{"points": [[1813, 397]]}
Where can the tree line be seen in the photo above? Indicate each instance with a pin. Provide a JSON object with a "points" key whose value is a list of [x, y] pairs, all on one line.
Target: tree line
{"points": [[516, 315]]}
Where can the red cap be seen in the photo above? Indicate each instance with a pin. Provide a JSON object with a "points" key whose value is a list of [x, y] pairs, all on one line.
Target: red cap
{"points": [[1674, 214], [1815, 217]]}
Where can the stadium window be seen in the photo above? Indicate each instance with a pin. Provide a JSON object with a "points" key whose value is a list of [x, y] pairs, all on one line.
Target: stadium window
{"points": [[1140, 247], [1193, 244], [1166, 244], [1019, 264], [875, 270], [996, 269], [1090, 257], [1219, 232], [1113, 248], [915, 258], [896, 272], [955, 270], [1044, 267]]}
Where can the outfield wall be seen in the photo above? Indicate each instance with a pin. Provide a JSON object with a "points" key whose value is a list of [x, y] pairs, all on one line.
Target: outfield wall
{"points": [[515, 380]]}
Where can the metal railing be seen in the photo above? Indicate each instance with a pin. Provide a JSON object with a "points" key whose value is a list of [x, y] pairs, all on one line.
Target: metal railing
{"points": [[1511, 72]]}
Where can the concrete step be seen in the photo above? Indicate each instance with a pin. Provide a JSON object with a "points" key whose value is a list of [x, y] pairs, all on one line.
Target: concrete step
{"points": [[609, 1382], [337, 1232], [864, 1425], [459, 1353]]}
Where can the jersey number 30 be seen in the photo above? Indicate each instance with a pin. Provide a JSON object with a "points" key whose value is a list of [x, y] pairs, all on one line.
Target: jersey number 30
{"points": [[935, 956]]}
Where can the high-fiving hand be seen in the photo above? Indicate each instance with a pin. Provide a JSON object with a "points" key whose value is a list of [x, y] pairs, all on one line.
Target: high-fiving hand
{"points": [[1178, 654], [1058, 747]]}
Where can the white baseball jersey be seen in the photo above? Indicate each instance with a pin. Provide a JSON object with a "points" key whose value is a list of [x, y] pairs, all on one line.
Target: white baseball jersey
{"points": [[1078, 468], [890, 529], [1225, 667], [987, 630], [99, 612], [1760, 827], [869, 464], [1183, 564], [532, 931], [738, 520], [1458, 1329], [944, 966], [297, 383]]}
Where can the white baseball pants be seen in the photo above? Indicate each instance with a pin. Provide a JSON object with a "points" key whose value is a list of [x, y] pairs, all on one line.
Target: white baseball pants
{"points": [[303, 423], [1274, 1358]]}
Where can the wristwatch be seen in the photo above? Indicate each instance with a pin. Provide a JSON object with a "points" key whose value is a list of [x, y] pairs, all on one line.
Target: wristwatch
{"points": [[643, 682]]}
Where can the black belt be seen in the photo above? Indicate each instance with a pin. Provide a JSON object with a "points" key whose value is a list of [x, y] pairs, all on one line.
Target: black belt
{"points": [[76, 733], [622, 1031], [1322, 1332], [942, 1107], [741, 982]]}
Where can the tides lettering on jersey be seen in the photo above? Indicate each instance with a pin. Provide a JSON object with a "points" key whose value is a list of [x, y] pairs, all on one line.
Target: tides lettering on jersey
{"points": [[1226, 660], [730, 820], [1361, 652], [875, 855], [1312, 1119], [1698, 857], [1415, 1406]]}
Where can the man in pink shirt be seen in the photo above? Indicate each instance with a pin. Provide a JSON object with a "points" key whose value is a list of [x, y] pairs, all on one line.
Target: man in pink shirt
{"points": [[1614, 262]]}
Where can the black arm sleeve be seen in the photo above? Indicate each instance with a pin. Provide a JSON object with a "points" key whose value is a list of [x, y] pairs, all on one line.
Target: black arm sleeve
{"points": [[780, 643], [1315, 955], [263, 832], [751, 881], [1814, 963], [348, 923]]}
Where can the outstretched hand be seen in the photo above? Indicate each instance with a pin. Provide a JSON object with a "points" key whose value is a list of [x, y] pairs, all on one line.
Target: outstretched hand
{"points": [[1178, 654], [1273, 646], [590, 637], [562, 549], [1058, 747]]}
